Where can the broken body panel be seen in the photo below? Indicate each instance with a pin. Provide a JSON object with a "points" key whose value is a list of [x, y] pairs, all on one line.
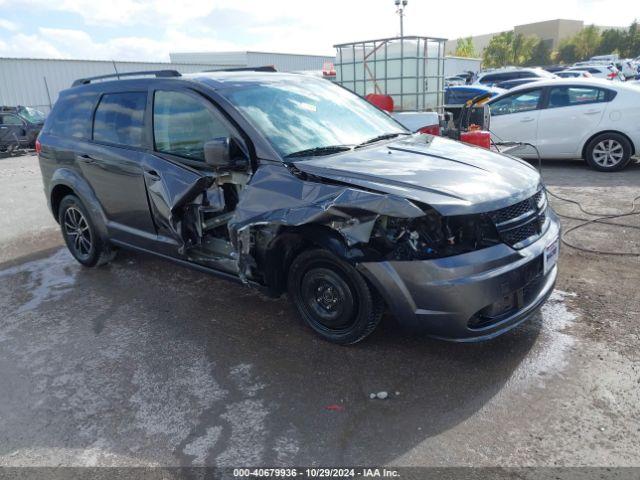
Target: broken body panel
{"points": [[426, 220]]}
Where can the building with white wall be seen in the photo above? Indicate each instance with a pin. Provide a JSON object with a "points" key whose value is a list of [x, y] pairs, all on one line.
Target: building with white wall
{"points": [[283, 62], [34, 82]]}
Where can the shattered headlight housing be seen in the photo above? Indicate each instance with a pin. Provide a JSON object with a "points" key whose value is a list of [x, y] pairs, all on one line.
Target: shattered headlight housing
{"points": [[432, 236]]}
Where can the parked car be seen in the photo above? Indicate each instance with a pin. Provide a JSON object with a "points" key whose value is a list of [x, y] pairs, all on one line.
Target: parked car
{"points": [[496, 76], [424, 122], [455, 80], [593, 119], [554, 68], [291, 183], [460, 94], [509, 84], [19, 127], [574, 74], [609, 72]]}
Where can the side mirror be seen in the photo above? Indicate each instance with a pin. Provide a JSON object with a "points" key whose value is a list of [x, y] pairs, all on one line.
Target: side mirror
{"points": [[217, 152], [224, 152]]}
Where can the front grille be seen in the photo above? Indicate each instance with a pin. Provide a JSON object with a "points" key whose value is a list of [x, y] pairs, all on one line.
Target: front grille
{"points": [[522, 223], [514, 211]]}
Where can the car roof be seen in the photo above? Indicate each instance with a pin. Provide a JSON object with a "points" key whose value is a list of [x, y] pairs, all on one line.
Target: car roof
{"points": [[214, 80], [227, 79], [512, 70], [592, 82]]}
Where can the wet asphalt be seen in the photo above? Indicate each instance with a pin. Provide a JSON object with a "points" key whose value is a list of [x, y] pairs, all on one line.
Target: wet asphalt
{"points": [[143, 362]]}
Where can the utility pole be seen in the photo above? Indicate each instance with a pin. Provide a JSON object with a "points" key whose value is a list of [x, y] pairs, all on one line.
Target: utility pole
{"points": [[400, 6]]}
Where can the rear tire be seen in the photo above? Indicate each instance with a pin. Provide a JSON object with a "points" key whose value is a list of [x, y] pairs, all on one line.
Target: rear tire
{"points": [[333, 298], [80, 234], [608, 152]]}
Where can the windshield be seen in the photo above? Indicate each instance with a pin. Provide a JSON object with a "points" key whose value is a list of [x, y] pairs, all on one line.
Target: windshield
{"points": [[310, 115], [32, 115]]}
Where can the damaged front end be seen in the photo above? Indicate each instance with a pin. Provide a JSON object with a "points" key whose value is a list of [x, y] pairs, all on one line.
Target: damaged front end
{"points": [[431, 236], [282, 210]]}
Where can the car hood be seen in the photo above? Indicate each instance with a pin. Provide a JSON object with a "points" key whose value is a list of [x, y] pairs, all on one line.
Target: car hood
{"points": [[450, 176]]}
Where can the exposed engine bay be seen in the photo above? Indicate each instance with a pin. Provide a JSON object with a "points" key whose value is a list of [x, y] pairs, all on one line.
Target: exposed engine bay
{"points": [[432, 236], [220, 232]]}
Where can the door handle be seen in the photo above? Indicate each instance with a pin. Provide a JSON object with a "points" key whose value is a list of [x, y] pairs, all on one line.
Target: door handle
{"points": [[527, 120], [3, 128], [592, 112], [152, 174], [86, 159]]}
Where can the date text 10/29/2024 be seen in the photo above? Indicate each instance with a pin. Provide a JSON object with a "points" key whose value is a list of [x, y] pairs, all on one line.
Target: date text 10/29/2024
{"points": [[315, 473]]}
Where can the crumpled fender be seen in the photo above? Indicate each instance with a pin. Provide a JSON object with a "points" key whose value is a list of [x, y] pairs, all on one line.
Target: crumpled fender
{"points": [[275, 197]]}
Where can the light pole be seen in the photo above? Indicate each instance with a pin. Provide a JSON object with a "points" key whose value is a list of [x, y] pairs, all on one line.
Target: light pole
{"points": [[400, 6]]}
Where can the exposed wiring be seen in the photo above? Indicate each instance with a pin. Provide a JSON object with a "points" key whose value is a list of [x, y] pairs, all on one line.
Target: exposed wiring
{"points": [[601, 217]]}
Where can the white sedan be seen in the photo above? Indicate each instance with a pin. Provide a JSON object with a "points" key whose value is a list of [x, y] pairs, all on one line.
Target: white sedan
{"points": [[593, 119]]}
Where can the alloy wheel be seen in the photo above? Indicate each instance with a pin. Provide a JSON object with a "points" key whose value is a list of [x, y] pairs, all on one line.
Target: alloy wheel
{"points": [[77, 231], [608, 153]]}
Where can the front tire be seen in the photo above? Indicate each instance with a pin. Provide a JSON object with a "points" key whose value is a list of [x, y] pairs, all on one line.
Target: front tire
{"points": [[80, 234], [608, 152], [333, 298]]}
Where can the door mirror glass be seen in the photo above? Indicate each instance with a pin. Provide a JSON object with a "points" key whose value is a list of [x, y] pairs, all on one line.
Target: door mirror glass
{"points": [[217, 152], [224, 152]]}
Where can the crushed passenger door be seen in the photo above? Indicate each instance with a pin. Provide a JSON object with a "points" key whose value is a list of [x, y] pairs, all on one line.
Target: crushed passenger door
{"points": [[170, 188]]}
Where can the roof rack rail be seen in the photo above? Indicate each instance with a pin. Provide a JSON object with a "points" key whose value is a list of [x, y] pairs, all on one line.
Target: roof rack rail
{"points": [[266, 68], [156, 73]]}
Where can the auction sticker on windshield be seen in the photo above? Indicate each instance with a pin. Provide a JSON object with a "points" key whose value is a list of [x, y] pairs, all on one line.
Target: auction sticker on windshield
{"points": [[551, 252]]}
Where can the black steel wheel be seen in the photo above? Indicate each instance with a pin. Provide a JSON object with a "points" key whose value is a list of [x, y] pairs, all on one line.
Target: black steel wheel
{"points": [[80, 234], [332, 297]]}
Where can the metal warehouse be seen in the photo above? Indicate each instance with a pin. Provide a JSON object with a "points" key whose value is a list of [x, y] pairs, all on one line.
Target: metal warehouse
{"points": [[36, 83], [284, 62]]}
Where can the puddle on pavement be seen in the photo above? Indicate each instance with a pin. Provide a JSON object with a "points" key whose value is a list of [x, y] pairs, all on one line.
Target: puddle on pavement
{"points": [[46, 279], [549, 355]]}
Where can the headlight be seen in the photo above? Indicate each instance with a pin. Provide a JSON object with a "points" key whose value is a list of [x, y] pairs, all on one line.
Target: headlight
{"points": [[432, 236]]}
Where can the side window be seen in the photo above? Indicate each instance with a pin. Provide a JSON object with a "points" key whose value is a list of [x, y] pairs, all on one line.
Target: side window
{"points": [[182, 124], [489, 79], [11, 120], [516, 103], [119, 119], [572, 96], [71, 116]]}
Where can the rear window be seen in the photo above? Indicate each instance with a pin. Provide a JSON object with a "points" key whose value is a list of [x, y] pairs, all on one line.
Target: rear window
{"points": [[572, 96], [120, 119], [71, 116]]}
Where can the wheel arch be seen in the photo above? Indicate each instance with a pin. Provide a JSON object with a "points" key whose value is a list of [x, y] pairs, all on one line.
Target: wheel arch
{"points": [[67, 182], [58, 192], [618, 132], [291, 241]]}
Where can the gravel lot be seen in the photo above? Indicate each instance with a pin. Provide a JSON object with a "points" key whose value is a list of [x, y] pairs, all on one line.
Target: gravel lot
{"points": [[143, 362]]}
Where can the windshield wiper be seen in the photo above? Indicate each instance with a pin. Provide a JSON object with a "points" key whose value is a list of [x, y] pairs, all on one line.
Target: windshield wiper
{"points": [[379, 138], [316, 151]]}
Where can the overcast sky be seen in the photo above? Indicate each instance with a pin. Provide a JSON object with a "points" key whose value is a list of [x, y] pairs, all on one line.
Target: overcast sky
{"points": [[150, 29]]}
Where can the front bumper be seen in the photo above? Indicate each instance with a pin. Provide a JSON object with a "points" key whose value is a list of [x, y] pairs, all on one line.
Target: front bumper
{"points": [[474, 296]]}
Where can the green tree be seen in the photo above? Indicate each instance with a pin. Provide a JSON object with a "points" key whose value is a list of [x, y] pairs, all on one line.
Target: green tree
{"points": [[464, 48], [567, 52], [540, 55], [522, 48], [631, 46], [507, 48], [587, 42], [611, 41]]}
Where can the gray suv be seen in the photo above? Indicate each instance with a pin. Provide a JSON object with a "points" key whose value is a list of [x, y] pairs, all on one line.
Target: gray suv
{"points": [[288, 183]]}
